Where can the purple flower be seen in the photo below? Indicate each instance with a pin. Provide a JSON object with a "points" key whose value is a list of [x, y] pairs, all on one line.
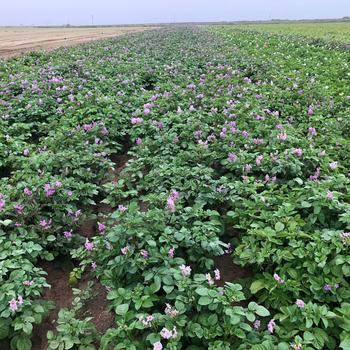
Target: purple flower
{"points": [[256, 324], [101, 227], [327, 287], [310, 111], [217, 274], [93, 265], [26, 152], [209, 279]]}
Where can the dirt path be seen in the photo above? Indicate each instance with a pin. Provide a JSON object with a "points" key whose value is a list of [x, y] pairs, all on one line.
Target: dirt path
{"points": [[17, 40]]}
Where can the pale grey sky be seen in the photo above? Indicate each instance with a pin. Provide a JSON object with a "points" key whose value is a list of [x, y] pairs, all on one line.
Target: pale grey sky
{"points": [[78, 12]]}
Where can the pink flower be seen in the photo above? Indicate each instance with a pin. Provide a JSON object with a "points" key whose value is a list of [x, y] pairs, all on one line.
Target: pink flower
{"points": [[209, 279], [217, 274], [271, 325], [232, 157], [26, 152], [144, 253], [282, 137], [185, 270], [171, 201], [229, 249], [333, 165], [19, 208], [166, 333], [89, 246], [125, 250], [122, 208], [171, 252], [258, 160], [28, 283], [330, 195], [278, 278], [138, 141], [93, 265], [2, 203], [245, 134], [157, 346], [312, 131], [136, 120], [300, 303], [296, 346], [298, 152], [169, 310], [13, 304], [104, 131], [20, 300], [27, 192], [310, 111], [45, 225], [68, 234], [257, 324], [49, 190]]}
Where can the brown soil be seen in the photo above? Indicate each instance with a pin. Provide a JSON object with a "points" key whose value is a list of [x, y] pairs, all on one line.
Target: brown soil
{"points": [[229, 271], [88, 228], [61, 293], [18, 40]]}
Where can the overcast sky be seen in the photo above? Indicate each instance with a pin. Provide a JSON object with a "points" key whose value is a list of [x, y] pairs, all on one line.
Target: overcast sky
{"points": [[77, 12]]}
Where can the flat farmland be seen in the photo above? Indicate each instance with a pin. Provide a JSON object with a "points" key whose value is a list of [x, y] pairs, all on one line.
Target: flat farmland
{"points": [[15, 41]]}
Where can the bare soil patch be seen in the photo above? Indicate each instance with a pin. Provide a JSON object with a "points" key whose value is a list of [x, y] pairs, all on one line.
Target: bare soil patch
{"points": [[17, 40]]}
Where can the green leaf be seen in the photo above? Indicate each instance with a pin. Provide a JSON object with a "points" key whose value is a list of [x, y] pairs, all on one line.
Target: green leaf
{"points": [[262, 311], [21, 343], [345, 344], [122, 309], [205, 300], [202, 291], [279, 227], [4, 328], [168, 289], [256, 286]]}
